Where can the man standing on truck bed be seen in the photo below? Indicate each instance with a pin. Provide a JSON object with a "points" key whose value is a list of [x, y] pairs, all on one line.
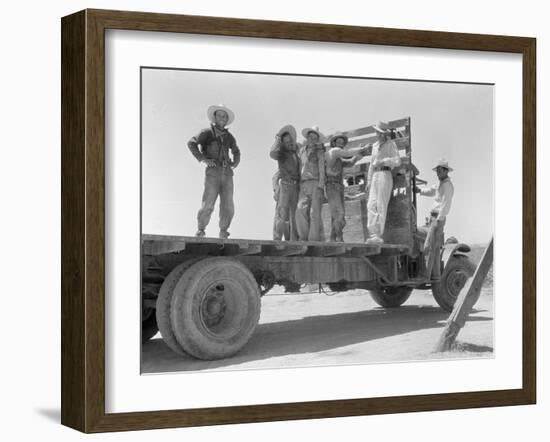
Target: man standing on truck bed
{"points": [[385, 157], [215, 144], [312, 184], [336, 158], [284, 150], [443, 192]]}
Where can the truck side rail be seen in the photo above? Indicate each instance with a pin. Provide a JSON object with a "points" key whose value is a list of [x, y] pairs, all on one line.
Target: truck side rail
{"points": [[161, 244]]}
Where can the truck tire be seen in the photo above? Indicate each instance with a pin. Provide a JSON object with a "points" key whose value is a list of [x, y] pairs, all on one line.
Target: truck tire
{"points": [[149, 328], [391, 297], [215, 308], [454, 276], [163, 305]]}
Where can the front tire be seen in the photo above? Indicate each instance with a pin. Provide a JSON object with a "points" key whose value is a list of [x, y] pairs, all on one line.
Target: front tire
{"points": [[215, 308], [391, 297], [454, 277], [164, 301]]}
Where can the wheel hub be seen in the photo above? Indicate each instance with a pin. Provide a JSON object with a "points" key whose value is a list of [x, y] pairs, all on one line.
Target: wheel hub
{"points": [[214, 306], [455, 282]]}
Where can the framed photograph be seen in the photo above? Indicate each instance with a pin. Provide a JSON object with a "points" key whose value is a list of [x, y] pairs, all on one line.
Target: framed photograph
{"points": [[269, 220]]}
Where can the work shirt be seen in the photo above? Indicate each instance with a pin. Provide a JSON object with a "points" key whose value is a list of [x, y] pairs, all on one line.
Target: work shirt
{"points": [[215, 144], [386, 154], [443, 192], [312, 162], [289, 161]]}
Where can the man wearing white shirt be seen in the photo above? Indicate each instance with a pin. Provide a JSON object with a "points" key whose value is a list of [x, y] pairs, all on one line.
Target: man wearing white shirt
{"points": [[443, 193], [385, 157]]}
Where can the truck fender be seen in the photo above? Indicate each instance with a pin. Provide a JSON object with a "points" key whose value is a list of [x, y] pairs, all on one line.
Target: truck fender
{"points": [[450, 250]]}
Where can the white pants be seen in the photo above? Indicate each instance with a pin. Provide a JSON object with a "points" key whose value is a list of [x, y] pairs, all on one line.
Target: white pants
{"points": [[377, 205]]}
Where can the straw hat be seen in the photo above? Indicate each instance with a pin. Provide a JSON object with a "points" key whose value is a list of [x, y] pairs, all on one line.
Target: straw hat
{"points": [[315, 129], [288, 129], [336, 135], [216, 107], [443, 163], [382, 127]]}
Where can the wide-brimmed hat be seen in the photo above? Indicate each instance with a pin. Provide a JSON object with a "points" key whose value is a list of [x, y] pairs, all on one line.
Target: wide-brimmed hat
{"points": [[336, 135], [288, 129], [315, 129], [382, 127], [443, 163], [216, 107]]}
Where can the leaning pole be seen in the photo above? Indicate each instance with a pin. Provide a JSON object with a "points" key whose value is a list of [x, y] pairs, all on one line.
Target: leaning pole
{"points": [[465, 301]]}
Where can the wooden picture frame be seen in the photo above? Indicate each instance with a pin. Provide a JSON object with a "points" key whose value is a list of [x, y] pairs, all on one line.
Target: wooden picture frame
{"points": [[83, 219]]}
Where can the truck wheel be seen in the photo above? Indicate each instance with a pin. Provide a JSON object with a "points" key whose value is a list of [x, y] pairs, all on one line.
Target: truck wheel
{"points": [[163, 305], [391, 297], [215, 308], [149, 327], [454, 276]]}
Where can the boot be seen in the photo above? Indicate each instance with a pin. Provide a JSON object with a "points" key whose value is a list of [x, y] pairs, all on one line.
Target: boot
{"points": [[375, 240], [200, 233], [224, 234]]}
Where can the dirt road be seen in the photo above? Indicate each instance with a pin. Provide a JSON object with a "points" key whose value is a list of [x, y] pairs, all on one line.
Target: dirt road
{"points": [[300, 330]]}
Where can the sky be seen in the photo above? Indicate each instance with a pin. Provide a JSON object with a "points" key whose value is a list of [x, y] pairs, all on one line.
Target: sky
{"points": [[448, 120]]}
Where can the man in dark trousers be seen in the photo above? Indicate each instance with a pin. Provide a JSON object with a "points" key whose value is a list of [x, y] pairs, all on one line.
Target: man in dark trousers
{"points": [[443, 192], [336, 158], [212, 147], [284, 151]]}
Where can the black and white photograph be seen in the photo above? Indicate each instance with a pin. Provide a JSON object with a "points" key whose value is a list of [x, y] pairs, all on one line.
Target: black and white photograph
{"points": [[303, 221]]}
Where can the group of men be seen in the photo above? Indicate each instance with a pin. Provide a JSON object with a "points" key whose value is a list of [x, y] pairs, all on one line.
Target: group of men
{"points": [[309, 172], [305, 175]]}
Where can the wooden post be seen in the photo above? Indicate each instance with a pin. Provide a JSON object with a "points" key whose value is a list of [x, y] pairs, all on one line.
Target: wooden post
{"points": [[465, 301]]}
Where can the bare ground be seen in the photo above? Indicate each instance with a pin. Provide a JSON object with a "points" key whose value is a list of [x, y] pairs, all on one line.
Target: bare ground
{"points": [[304, 330]]}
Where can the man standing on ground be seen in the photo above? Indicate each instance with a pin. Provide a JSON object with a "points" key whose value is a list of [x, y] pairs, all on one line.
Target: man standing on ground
{"points": [[336, 159], [443, 192], [215, 144], [284, 150], [385, 157], [312, 184]]}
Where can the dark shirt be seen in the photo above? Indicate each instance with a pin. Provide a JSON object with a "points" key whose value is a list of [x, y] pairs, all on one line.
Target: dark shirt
{"points": [[335, 173], [289, 162], [215, 144]]}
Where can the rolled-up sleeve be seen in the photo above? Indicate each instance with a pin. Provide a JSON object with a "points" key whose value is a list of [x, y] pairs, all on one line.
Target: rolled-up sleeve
{"points": [[235, 151], [428, 191], [275, 151], [194, 143]]}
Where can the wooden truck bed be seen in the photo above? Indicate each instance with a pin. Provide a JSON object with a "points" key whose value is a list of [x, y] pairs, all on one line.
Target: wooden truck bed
{"points": [[153, 245]]}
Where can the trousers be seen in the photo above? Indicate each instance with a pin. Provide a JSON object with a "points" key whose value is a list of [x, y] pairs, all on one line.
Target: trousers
{"points": [[335, 196], [284, 223], [218, 181], [308, 211], [432, 246], [377, 205]]}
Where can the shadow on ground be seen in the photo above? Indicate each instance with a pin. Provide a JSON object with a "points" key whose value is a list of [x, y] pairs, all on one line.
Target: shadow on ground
{"points": [[471, 348], [308, 335], [51, 414]]}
